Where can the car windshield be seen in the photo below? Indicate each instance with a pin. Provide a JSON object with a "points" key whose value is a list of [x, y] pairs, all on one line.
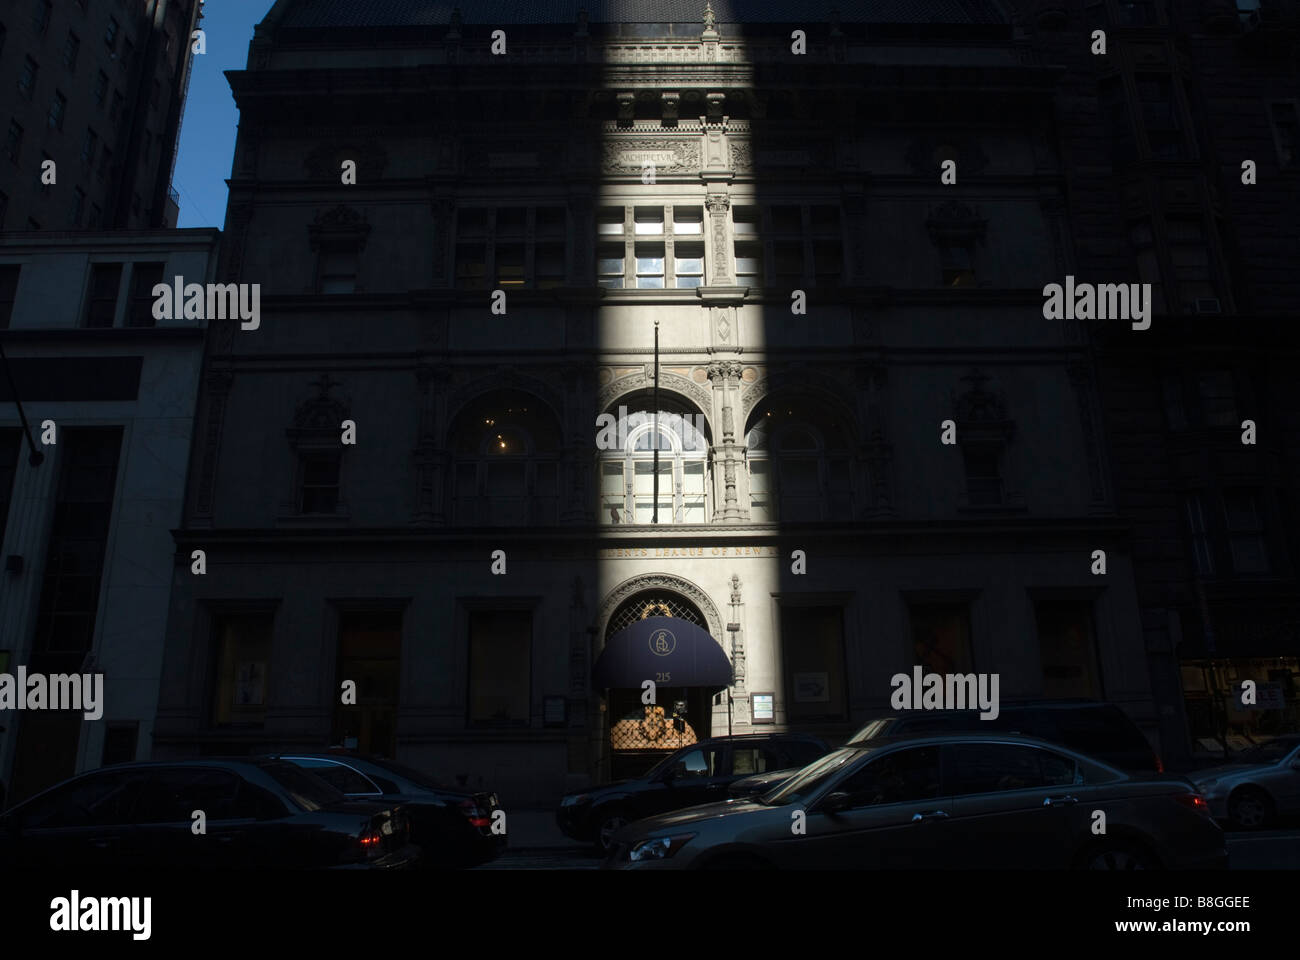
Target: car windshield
{"points": [[810, 779], [1270, 752], [309, 792], [872, 729], [661, 766]]}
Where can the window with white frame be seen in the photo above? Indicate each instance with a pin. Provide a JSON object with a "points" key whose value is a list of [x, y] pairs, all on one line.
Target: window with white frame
{"points": [[627, 472]]}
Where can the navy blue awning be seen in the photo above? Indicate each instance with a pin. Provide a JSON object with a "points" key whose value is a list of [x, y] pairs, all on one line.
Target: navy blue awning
{"points": [[667, 650]]}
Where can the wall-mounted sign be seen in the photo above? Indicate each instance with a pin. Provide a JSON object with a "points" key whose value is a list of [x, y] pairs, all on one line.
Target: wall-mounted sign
{"points": [[812, 688], [554, 711], [762, 707]]}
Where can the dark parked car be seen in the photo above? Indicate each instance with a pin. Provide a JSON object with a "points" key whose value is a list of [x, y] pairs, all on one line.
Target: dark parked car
{"points": [[692, 775], [451, 826], [1259, 785], [1096, 729], [259, 813], [945, 802]]}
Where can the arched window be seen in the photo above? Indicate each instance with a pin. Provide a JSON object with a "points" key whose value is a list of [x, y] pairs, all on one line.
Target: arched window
{"points": [[799, 464], [506, 449], [627, 448]]}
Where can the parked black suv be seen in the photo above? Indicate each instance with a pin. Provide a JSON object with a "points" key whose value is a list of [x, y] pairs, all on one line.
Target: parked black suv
{"points": [[692, 775], [1096, 729]]}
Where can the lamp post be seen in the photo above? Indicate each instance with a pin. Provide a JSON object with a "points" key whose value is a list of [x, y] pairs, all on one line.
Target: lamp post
{"points": [[655, 429]]}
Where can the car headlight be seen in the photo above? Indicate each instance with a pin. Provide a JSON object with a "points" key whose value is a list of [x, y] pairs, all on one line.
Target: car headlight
{"points": [[658, 848], [576, 799]]}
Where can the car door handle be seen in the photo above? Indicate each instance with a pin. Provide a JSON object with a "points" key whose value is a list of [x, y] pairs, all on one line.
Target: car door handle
{"points": [[929, 815], [1059, 801]]}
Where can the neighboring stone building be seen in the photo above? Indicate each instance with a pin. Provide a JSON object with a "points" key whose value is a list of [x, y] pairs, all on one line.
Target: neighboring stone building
{"points": [[99, 88], [613, 175], [109, 394], [1156, 134]]}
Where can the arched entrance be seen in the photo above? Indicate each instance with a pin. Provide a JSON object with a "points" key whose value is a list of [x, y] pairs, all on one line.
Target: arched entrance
{"points": [[638, 735]]}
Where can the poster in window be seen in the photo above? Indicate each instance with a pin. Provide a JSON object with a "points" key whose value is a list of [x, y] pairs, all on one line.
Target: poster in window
{"points": [[250, 683], [812, 688]]}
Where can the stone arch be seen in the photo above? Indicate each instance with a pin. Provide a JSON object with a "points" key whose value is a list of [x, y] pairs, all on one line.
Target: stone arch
{"points": [[659, 581], [776, 384], [463, 395], [684, 388]]}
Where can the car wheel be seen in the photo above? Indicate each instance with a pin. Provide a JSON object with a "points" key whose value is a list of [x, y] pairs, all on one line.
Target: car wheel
{"points": [[610, 823], [1250, 809], [1116, 856]]}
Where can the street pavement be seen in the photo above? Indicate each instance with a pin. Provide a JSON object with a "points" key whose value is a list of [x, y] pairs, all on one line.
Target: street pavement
{"points": [[536, 843]]}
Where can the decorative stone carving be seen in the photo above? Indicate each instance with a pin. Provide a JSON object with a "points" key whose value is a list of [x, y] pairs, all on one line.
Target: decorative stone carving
{"points": [[341, 223], [671, 154], [717, 204], [741, 155], [621, 387], [506, 378], [658, 581]]}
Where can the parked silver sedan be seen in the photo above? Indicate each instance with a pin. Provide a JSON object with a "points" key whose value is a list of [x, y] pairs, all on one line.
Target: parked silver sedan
{"points": [[941, 802], [1259, 786]]}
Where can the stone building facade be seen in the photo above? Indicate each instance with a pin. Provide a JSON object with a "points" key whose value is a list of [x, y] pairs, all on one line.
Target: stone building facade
{"points": [[827, 312]]}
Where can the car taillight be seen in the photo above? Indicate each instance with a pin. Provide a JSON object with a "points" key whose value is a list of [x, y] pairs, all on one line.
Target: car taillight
{"points": [[1195, 801], [1160, 766], [476, 816]]}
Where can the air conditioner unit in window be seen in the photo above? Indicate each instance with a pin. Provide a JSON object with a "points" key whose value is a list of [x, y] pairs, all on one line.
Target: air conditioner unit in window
{"points": [[1208, 305]]}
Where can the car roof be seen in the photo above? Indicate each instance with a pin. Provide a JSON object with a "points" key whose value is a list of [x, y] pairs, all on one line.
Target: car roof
{"points": [[940, 736]]}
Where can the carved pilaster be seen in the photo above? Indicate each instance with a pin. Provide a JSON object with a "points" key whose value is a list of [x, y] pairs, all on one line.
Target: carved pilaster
{"points": [[430, 458], [717, 204], [727, 453], [219, 383], [739, 695], [443, 209], [876, 452], [1081, 378]]}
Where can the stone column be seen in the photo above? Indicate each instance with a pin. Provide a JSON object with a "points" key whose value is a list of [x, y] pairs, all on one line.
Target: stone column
{"points": [[727, 452], [721, 274], [875, 450], [430, 456]]}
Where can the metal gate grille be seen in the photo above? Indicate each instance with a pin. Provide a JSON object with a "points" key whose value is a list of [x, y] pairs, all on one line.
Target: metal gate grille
{"points": [[652, 605], [638, 726]]}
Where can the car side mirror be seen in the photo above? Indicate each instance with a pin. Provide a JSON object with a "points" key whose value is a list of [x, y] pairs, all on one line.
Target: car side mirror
{"points": [[835, 802]]}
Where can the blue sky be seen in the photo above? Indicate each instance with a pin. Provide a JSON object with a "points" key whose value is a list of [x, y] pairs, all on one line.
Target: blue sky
{"points": [[208, 129]]}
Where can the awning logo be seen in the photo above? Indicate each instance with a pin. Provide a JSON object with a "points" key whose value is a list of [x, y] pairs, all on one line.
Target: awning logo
{"points": [[662, 643]]}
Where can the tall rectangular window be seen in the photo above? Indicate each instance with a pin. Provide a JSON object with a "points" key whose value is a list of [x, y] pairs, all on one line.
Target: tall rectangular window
{"points": [[8, 291], [11, 439], [58, 107], [338, 270], [649, 266], [71, 47], [1160, 114], [613, 493], [1189, 260], [14, 140], [1067, 647], [27, 78], [83, 512], [1142, 236], [688, 264], [1245, 528], [941, 636], [89, 145], [500, 667], [242, 661], [1218, 395], [1202, 552], [101, 307], [318, 487], [812, 655], [610, 265], [144, 277]]}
